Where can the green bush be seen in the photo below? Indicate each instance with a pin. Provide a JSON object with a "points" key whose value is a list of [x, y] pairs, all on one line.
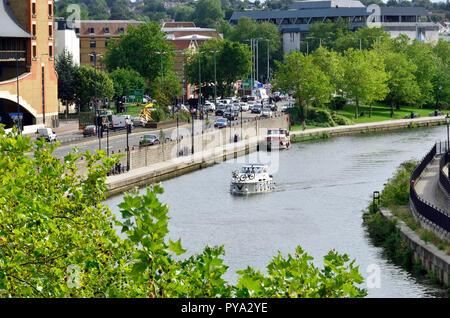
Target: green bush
{"points": [[396, 191], [340, 119], [320, 117], [337, 103], [158, 114]]}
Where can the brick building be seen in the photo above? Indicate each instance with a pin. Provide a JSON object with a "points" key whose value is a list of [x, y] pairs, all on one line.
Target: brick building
{"points": [[27, 72]]}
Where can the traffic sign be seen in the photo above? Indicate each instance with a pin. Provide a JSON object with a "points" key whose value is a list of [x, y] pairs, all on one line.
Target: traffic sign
{"points": [[14, 115]]}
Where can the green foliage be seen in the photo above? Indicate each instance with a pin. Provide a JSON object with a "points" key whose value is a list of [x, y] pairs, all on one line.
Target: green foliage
{"points": [[67, 76], [320, 117], [126, 82], [171, 87], [396, 191], [57, 240], [207, 13], [291, 277], [87, 81], [138, 49]]}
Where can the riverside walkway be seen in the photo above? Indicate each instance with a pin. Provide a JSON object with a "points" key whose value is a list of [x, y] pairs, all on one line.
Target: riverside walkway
{"points": [[427, 186]]}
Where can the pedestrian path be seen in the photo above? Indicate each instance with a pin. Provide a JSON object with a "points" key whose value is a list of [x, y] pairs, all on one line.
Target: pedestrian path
{"points": [[428, 189]]}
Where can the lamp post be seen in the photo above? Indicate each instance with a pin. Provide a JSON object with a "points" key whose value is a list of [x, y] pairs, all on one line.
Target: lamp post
{"points": [[447, 119], [215, 78], [192, 135], [162, 71], [128, 147], [19, 126], [94, 55]]}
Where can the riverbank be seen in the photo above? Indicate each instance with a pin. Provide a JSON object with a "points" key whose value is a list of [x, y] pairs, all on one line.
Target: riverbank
{"points": [[391, 224], [363, 128]]}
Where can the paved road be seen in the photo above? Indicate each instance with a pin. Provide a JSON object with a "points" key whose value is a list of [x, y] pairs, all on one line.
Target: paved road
{"points": [[427, 186], [117, 140]]}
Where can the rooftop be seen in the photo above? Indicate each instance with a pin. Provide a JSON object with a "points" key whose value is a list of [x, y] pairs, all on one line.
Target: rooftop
{"points": [[9, 27]]}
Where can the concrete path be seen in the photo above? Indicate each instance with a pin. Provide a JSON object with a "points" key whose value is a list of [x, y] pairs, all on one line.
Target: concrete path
{"points": [[427, 186]]}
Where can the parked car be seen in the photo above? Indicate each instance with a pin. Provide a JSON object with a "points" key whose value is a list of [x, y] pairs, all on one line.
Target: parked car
{"points": [[285, 107], [89, 131], [121, 121], [47, 133], [231, 114], [244, 106], [209, 106], [221, 123], [149, 140], [220, 110], [256, 109], [251, 104], [266, 112], [139, 121]]}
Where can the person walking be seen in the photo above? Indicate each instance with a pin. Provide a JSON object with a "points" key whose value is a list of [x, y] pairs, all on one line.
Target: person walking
{"points": [[304, 125]]}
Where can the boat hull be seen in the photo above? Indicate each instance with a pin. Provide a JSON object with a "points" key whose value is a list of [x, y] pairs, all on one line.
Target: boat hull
{"points": [[244, 188]]}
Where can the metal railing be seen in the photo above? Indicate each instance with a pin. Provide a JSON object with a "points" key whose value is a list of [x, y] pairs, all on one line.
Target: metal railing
{"points": [[444, 180], [422, 207]]}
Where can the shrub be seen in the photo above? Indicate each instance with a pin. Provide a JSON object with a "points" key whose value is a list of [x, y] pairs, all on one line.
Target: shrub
{"points": [[340, 119], [320, 116]]}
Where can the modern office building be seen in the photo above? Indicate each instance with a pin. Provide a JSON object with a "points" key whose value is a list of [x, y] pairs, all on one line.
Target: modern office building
{"points": [[295, 22], [28, 81]]}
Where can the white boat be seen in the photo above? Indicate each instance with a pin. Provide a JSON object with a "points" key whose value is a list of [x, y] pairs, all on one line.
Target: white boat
{"points": [[278, 139], [252, 178]]}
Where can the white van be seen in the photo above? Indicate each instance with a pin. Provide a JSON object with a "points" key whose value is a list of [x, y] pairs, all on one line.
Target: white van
{"points": [[120, 121], [47, 133]]}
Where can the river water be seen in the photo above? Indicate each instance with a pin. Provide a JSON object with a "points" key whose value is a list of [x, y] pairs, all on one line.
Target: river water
{"points": [[322, 189]]}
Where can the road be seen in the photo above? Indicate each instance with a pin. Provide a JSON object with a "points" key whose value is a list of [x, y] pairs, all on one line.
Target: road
{"points": [[118, 139]]}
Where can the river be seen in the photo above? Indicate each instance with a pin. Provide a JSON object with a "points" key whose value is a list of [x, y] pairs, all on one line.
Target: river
{"points": [[322, 189]]}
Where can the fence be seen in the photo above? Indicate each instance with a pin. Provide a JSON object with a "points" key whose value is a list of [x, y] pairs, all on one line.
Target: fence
{"points": [[444, 180], [425, 209]]}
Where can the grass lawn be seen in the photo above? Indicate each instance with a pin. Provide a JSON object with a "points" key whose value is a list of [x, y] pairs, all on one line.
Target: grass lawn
{"points": [[381, 112], [133, 110]]}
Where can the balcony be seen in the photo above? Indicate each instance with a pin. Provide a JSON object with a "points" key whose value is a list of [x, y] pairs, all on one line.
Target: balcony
{"points": [[11, 55]]}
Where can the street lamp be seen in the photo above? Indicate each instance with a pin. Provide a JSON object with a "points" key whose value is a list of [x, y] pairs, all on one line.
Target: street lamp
{"points": [[162, 73], [94, 55], [215, 78]]}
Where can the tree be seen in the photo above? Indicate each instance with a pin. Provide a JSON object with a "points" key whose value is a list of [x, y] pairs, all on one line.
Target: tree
{"points": [[170, 88], [88, 82], [267, 33], [401, 81], [364, 77], [58, 240], [181, 13], [330, 63], [138, 50], [67, 78], [232, 63], [125, 82], [120, 10], [298, 74], [207, 13]]}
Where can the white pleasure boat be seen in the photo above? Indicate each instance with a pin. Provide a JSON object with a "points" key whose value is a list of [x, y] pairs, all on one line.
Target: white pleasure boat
{"points": [[252, 178]]}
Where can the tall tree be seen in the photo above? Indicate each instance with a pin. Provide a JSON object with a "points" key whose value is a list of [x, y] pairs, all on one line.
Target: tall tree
{"points": [[364, 77], [208, 13], [299, 74], [126, 81], [232, 63], [67, 78], [91, 81], [143, 49]]}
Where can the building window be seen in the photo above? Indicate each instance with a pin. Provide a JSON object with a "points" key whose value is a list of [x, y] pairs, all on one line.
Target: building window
{"points": [[50, 51], [50, 10], [93, 44], [106, 43], [33, 9], [50, 30], [34, 29], [91, 30], [121, 30], [77, 30], [106, 29], [92, 58], [34, 51]]}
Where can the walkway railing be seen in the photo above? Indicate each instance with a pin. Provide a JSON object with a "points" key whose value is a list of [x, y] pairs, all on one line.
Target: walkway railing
{"points": [[422, 207], [444, 179]]}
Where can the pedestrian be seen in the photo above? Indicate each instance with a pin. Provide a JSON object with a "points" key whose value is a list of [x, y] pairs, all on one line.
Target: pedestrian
{"points": [[304, 125]]}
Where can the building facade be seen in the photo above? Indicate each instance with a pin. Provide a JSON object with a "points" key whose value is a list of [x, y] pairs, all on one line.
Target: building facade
{"points": [[294, 23], [28, 81], [66, 40]]}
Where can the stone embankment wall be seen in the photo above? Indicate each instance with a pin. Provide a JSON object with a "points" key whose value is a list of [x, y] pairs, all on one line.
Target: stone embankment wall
{"points": [[431, 258], [373, 127]]}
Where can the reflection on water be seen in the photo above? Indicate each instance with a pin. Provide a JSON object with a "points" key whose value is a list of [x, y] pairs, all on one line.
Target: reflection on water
{"points": [[322, 188]]}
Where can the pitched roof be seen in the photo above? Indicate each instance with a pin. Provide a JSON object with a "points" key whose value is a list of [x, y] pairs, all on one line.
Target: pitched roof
{"points": [[9, 27]]}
